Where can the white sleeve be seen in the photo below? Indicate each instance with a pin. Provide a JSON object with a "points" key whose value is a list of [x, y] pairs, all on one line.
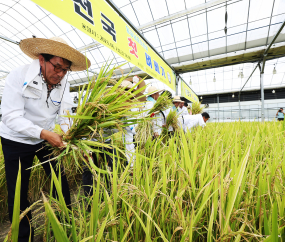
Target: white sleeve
{"points": [[185, 111], [66, 105], [13, 108], [157, 123], [201, 121]]}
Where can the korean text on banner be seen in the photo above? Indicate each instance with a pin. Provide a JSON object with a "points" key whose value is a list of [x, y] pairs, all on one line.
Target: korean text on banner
{"points": [[188, 93], [100, 21]]}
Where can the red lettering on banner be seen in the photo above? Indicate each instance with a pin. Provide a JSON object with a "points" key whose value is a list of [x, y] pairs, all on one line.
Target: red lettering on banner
{"points": [[133, 45]]}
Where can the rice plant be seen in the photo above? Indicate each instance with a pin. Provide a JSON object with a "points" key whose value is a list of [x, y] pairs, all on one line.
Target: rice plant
{"points": [[221, 183], [197, 108]]}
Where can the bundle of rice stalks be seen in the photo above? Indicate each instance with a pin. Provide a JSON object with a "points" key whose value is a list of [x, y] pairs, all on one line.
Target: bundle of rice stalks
{"points": [[161, 104], [172, 120], [197, 108], [104, 109], [144, 132], [144, 129]]}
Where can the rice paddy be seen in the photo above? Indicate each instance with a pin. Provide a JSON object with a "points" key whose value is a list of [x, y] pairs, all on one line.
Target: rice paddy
{"points": [[221, 183]]}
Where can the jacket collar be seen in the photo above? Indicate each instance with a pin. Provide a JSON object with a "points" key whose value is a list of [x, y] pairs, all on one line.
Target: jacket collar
{"points": [[149, 98], [33, 84]]}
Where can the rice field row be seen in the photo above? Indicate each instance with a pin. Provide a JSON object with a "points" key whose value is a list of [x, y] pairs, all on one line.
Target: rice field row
{"points": [[221, 183]]}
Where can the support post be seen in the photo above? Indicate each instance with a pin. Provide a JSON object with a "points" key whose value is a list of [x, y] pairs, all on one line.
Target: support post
{"points": [[262, 89], [176, 85], [218, 100], [239, 115], [9, 40]]}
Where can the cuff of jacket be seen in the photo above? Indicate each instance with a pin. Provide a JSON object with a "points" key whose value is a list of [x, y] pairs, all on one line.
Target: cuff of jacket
{"points": [[38, 132]]}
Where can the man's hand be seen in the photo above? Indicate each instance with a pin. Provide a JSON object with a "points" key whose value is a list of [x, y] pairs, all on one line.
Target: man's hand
{"points": [[54, 139]]}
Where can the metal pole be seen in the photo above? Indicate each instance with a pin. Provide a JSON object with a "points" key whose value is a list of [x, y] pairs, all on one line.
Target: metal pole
{"points": [[4, 71], [249, 77], [239, 107], [9, 40], [218, 107], [275, 37], [262, 89], [176, 85]]}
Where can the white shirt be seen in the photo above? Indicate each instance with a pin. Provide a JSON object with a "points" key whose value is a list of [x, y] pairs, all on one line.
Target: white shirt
{"points": [[24, 109], [184, 111], [191, 121], [157, 121]]}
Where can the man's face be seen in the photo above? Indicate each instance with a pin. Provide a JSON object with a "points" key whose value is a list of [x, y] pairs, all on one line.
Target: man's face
{"points": [[176, 104], [181, 104], [155, 96], [205, 119], [48, 69]]}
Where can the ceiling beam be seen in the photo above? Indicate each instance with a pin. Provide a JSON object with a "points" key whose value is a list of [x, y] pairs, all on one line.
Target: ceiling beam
{"points": [[182, 13], [9, 40]]}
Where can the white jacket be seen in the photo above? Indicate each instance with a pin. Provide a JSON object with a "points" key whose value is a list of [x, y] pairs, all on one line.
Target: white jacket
{"points": [[183, 111], [24, 109], [157, 121], [191, 121]]}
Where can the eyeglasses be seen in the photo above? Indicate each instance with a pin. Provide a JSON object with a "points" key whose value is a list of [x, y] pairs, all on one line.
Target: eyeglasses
{"points": [[58, 69]]}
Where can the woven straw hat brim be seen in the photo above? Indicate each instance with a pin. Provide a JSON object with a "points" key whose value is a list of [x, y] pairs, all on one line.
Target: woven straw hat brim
{"points": [[33, 47], [177, 101]]}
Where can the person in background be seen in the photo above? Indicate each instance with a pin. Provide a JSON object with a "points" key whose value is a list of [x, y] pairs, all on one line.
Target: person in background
{"points": [[130, 131], [34, 95], [188, 122], [184, 110], [154, 94], [166, 112], [176, 102], [280, 114], [127, 137], [189, 108], [180, 106]]}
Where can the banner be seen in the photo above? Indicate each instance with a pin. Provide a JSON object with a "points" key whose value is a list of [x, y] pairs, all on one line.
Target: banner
{"points": [[188, 93], [100, 21]]}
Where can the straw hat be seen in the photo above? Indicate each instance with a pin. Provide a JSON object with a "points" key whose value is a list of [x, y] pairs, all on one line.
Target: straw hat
{"points": [[177, 99], [152, 90], [128, 85], [135, 80], [56, 46]]}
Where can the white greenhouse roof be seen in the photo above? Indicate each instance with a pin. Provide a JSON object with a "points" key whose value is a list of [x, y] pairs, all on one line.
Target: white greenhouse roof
{"points": [[180, 30]]}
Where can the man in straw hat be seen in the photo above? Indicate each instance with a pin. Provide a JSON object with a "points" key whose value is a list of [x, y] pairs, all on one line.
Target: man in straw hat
{"points": [[176, 102], [34, 95], [153, 96]]}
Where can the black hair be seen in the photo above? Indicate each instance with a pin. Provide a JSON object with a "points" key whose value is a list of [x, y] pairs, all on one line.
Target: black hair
{"points": [[206, 115], [48, 57], [185, 104]]}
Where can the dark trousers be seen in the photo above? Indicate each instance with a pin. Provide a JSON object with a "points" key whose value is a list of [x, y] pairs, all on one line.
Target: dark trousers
{"points": [[13, 152], [87, 176]]}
